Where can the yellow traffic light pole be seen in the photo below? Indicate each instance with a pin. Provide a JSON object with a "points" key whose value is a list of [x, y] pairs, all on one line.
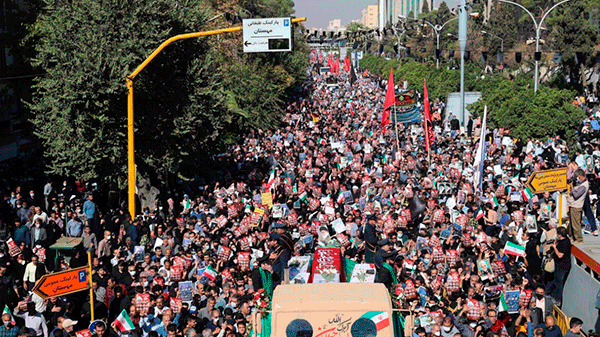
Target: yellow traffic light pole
{"points": [[130, 124]]}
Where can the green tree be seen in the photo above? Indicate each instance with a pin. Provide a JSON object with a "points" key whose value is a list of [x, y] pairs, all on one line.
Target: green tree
{"points": [[425, 7], [514, 106], [443, 12], [502, 23], [574, 36], [186, 103], [355, 27]]}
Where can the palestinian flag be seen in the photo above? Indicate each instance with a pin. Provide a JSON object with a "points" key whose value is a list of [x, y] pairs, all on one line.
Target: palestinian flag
{"points": [[514, 249], [123, 322], [527, 194], [479, 214], [7, 311], [380, 318], [210, 273], [494, 202], [502, 306], [509, 190]]}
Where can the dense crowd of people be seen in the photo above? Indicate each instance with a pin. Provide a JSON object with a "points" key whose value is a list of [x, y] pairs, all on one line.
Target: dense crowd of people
{"points": [[446, 248]]}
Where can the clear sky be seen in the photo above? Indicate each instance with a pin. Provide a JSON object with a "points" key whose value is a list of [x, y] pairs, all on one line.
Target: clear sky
{"points": [[320, 12]]}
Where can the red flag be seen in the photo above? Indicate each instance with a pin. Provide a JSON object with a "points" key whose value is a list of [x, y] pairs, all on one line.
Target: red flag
{"points": [[320, 57], [427, 125], [390, 100], [337, 65], [346, 64], [330, 61]]}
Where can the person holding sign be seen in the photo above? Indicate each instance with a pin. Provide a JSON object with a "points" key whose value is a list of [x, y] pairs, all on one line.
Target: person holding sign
{"points": [[575, 201]]}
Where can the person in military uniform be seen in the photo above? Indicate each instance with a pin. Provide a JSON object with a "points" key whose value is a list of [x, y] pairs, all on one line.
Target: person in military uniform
{"points": [[282, 251], [384, 260], [263, 277], [369, 235]]}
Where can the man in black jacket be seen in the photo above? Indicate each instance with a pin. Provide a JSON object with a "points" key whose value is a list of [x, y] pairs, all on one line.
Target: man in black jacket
{"points": [[267, 269], [369, 235]]}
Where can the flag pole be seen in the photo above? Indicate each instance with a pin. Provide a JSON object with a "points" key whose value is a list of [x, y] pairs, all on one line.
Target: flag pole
{"points": [[396, 127], [426, 127], [89, 254]]}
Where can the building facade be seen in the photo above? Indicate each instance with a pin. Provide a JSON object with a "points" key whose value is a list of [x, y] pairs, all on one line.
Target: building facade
{"points": [[369, 16]]}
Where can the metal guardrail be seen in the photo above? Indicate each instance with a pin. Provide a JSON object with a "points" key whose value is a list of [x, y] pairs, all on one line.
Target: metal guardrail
{"points": [[562, 321]]}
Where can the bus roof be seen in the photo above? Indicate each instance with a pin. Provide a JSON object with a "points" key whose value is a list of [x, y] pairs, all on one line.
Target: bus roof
{"points": [[298, 296]]}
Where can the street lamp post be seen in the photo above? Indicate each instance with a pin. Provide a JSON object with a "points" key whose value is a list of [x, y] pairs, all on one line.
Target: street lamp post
{"points": [[538, 28], [462, 43], [437, 29], [498, 37]]}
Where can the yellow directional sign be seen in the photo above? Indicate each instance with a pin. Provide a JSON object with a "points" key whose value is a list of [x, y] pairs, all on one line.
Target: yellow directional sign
{"points": [[548, 180]]}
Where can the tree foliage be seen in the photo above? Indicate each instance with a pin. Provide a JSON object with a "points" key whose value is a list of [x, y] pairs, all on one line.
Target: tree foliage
{"points": [[190, 99], [440, 82], [355, 27], [503, 24], [425, 7], [514, 106], [575, 37]]}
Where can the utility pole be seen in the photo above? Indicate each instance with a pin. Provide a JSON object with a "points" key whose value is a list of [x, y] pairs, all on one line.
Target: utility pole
{"points": [[462, 43]]}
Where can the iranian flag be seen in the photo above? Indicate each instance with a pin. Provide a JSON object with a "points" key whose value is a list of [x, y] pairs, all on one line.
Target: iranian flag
{"points": [[502, 306], [527, 194], [210, 273], [514, 249], [7, 311], [340, 198], [494, 202], [479, 214], [380, 318], [123, 322]]}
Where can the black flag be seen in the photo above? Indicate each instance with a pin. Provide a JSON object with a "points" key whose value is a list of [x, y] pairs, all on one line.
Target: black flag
{"points": [[352, 74]]}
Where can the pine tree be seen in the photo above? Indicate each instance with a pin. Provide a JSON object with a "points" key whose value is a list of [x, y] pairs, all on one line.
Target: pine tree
{"points": [[425, 7], [575, 37]]}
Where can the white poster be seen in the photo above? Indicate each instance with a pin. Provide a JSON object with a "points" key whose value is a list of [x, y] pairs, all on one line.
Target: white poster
{"points": [[338, 225], [363, 273]]}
